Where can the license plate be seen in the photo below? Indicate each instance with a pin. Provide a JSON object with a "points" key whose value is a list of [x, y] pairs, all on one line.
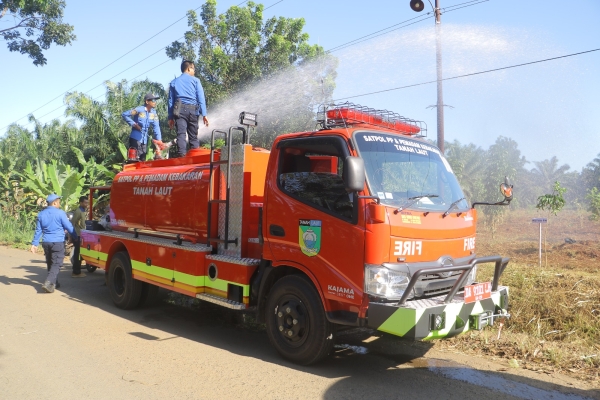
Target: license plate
{"points": [[478, 292]]}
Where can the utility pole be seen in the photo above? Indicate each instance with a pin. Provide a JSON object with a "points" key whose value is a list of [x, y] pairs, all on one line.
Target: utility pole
{"points": [[418, 6], [438, 59]]}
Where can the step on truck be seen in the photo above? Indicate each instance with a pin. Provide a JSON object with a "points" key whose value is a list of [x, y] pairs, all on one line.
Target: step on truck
{"points": [[360, 223]]}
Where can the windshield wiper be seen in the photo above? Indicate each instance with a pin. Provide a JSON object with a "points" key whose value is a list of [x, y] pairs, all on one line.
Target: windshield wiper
{"points": [[452, 206], [413, 200]]}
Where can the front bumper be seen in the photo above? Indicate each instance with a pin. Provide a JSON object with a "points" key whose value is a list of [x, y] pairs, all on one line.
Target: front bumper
{"points": [[445, 315]]}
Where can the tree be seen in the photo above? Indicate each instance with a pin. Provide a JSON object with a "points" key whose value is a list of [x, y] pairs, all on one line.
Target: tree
{"points": [[502, 159], [593, 196], [548, 171], [553, 202], [267, 67], [468, 164], [102, 126], [591, 173], [45, 142], [37, 25]]}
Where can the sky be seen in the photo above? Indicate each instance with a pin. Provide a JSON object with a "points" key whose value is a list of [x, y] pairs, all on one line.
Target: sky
{"points": [[549, 108]]}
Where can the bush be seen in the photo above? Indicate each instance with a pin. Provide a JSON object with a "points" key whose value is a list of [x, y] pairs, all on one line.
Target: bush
{"points": [[594, 198]]}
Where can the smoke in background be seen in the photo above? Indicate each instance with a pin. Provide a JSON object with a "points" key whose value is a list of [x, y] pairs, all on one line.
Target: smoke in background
{"points": [[540, 106], [537, 105]]}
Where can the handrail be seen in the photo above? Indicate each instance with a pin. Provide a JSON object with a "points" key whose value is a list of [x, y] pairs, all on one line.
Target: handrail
{"points": [[228, 142], [501, 264]]}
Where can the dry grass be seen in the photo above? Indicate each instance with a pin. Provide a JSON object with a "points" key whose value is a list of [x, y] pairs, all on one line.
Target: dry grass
{"points": [[555, 310]]}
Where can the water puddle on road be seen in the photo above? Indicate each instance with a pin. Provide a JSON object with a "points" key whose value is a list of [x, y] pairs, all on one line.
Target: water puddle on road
{"points": [[490, 380]]}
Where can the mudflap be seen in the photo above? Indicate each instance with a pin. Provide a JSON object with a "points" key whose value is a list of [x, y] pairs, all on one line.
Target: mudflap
{"points": [[427, 319]]}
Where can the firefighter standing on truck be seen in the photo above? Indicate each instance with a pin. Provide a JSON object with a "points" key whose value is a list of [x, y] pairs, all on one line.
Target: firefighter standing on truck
{"points": [[186, 103], [140, 119]]}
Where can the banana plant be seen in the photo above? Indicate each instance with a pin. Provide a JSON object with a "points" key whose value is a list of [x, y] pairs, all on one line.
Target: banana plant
{"points": [[55, 177]]}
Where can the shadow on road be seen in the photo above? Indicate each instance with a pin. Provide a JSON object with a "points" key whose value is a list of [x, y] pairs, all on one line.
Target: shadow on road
{"points": [[366, 364]]}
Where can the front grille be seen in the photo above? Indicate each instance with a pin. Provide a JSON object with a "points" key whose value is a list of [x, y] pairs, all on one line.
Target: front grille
{"points": [[436, 291]]}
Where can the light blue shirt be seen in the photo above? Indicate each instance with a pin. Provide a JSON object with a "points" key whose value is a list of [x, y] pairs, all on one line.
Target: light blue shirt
{"points": [[52, 223], [189, 89]]}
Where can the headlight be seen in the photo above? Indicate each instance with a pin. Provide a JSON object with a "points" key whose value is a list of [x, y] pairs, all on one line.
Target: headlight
{"points": [[384, 282], [472, 276]]}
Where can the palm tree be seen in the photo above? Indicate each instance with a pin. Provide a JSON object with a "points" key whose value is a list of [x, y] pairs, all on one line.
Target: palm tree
{"points": [[547, 172], [468, 163], [102, 125]]}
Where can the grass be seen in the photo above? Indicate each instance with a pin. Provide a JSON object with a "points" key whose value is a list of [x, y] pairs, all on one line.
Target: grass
{"points": [[16, 232], [554, 324]]}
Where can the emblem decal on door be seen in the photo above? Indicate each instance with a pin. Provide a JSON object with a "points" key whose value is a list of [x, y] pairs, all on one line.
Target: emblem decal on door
{"points": [[309, 236]]}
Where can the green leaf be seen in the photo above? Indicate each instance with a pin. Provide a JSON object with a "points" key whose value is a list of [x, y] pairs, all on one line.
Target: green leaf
{"points": [[79, 155], [123, 150]]}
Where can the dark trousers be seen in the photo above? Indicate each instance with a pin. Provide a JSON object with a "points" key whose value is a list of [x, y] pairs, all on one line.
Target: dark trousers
{"points": [[76, 258], [140, 148], [55, 254], [187, 124]]}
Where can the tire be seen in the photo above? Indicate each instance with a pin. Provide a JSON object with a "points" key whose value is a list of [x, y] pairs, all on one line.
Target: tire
{"points": [[149, 294], [90, 268], [124, 290], [296, 322]]}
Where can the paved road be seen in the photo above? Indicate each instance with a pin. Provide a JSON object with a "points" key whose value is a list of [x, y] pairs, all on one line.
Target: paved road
{"points": [[74, 344]]}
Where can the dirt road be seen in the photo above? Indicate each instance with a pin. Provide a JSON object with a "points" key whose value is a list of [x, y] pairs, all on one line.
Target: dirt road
{"points": [[75, 344]]}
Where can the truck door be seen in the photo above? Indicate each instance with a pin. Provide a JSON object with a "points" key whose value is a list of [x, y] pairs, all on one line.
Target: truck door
{"points": [[311, 220]]}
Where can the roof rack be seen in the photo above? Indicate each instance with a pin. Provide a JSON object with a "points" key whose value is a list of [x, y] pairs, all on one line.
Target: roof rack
{"points": [[342, 115]]}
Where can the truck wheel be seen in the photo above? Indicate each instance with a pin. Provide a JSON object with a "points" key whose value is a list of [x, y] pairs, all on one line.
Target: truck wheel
{"points": [[124, 290], [90, 268], [296, 322], [149, 294]]}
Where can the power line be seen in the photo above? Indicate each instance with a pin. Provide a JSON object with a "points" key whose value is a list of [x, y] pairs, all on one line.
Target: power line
{"points": [[106, 66], [272, 5], [100, 70], [404, 24], [470, 74], [97, 97]]}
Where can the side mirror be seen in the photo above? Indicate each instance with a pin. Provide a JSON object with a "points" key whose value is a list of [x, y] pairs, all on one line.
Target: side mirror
{"points": [[506, 189], [354, 174]]}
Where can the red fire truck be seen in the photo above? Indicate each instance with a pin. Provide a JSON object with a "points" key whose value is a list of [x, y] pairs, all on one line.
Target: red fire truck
{"points": [[360, 223]]}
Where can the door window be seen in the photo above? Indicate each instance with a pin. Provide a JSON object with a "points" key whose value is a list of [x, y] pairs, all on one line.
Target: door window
{"points": [[311, 171]]}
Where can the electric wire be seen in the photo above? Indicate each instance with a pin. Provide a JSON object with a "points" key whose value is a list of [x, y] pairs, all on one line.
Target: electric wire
{"points": [[469, 74], [97, 97], [404, 24], [355, 41], [100, 70], [111, 63]]}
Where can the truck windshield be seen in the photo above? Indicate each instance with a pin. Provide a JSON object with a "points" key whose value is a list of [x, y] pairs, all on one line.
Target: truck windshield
{"points": [[400, 170]]}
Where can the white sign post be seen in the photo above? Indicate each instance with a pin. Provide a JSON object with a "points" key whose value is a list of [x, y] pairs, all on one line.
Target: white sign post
{"points": [[540, 221]]}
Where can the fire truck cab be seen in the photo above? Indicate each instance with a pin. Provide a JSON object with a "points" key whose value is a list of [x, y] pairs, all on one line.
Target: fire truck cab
{"points": [[360, 223]]}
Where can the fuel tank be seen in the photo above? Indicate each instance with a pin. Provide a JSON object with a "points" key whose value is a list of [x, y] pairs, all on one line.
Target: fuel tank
{"points": [[170, 199]]}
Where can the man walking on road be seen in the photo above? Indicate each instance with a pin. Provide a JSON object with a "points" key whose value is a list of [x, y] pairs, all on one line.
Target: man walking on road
{"points": [[186, 103], [78, 222], [52, 223], [140, 119]]}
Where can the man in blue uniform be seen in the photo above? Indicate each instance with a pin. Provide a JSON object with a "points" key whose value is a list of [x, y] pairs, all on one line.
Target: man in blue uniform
{"points": [[140, 119], [52, 223], [186, 103]]}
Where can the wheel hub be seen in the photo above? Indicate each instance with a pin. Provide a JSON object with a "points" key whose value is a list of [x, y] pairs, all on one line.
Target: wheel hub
{"points": [[292, 320]]}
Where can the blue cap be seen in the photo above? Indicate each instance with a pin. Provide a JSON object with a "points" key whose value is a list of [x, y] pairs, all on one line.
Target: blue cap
{"points": [[51, 197]]}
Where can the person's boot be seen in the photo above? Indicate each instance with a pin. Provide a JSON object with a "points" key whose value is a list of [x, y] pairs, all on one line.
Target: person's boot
{"points": [[48, 287], [79, 275]]}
